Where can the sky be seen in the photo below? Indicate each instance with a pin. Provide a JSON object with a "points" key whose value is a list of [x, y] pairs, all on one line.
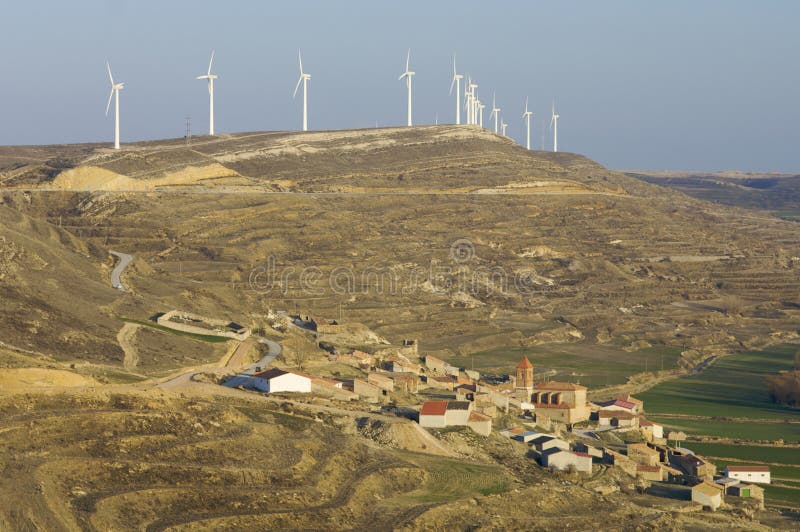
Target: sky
{"points": [[680, 85]]}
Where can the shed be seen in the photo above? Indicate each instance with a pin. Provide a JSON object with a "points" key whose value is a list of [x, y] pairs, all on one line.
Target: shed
{"points": [[708, 495], [275, 380], [564, 460]]}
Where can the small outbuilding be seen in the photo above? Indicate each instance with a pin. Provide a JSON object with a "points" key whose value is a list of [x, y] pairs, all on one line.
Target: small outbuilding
{"points": [[275, 380], [707, 494], [564, 460]]}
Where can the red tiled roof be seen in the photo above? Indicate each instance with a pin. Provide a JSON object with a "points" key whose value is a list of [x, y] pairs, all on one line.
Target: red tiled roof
{"points": [[586, 455], [748, 468], [433, 408], [644, 422], [524, 363]]}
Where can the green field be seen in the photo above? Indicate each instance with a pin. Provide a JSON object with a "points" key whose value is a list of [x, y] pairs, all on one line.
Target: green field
{"points": [[202, 337], [734, 429], [591, 365], [780, 494], [756, 453], [732, 387]]}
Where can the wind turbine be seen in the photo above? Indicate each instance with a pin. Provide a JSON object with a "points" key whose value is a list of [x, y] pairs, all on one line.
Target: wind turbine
{"points": [[527, 117], [407, 75], [115, 88], [495, 113], [468, 99], [554, 127], [210, 77], [457, 83], [304, 80], [481, 107], [503, 127], [474, 89]]}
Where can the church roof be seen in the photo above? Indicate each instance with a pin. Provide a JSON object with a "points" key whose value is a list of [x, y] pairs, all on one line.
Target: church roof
{"points": [[524, 363]]}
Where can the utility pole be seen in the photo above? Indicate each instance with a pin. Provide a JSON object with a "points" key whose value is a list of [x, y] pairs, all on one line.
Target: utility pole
{"points": [[188, 130]]}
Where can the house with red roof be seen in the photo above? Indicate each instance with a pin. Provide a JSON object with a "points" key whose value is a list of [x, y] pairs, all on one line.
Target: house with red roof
{"points": [[758, 474], [441, 414]]}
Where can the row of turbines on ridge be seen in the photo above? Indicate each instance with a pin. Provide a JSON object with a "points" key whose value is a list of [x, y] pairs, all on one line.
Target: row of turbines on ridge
{"points": [[472, 104]]}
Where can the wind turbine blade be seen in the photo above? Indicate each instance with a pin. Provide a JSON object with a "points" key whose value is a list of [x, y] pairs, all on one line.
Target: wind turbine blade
{"points": [[209, 63], [108, 105], [110, 77], [300, 60], [452, 84], [454, 66], [297, 86], [408, 59]]}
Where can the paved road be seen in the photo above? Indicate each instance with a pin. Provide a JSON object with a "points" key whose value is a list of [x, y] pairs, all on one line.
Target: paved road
{"points": [[124, 261], [244, 378]]}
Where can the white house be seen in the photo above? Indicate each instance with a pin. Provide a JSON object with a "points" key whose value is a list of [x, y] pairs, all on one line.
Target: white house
{"points": [[276, 380], [708, 495], [650, 429], [563, 460], [749, 473]]}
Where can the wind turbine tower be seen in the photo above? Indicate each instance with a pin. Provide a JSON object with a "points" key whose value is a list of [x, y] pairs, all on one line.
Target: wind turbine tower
{"points": [[457, 84], [554, 126], [304, 80], [481, 107], [503, 127], [407, 75], [495, 114], [115, 88], [210, 77], [473, 95], [527, 117], [468, 99]]}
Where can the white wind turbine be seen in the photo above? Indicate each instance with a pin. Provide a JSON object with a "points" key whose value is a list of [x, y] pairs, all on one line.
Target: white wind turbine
{"points": [[468, 99], [210, 77], [115, 88], [457, 83], [503, 127], [474, 89], [554, 126], [481, 107], [527, 117], [407, 75], [304, 80], [495, 113]]}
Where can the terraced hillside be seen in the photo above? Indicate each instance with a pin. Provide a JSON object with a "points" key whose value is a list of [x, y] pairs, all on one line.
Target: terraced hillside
{"points": [[454, 236]]}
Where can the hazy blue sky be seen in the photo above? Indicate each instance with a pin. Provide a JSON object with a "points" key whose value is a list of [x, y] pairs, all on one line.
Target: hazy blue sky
{"points": [[694, 84]]}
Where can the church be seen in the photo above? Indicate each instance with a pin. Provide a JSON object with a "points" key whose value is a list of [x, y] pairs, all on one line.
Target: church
{"points": [[564, 402]]}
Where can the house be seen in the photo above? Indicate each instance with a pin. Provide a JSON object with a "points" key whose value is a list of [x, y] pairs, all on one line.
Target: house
{"points": [[628, 398], [650, 472], [564, 460], [651, 431], [619, 406], [441, 414], [642, 454], [581, 447], [381, 381], [458, 412], [751, 491], [617, 418], [433, 414], [406, 382], [276, 380], [526, 436], [707, 494], [564, 402], [435, 365], [397, 365], [749, 473], [452, 370], [691, 465], [368, 391], [480, 423], [545, 442], [447, 382]]}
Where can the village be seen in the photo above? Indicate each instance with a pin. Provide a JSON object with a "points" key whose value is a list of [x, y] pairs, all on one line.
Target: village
{"points": [[562, 430]]}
